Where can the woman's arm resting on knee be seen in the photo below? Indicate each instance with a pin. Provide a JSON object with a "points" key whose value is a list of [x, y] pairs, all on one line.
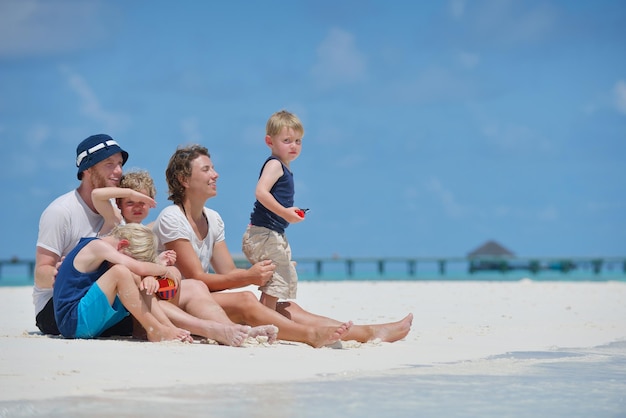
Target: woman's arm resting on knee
{"points": [[227, 275]]}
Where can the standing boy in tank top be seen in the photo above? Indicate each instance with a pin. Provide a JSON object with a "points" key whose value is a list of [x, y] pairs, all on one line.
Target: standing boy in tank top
{"points": [[274, 210]]}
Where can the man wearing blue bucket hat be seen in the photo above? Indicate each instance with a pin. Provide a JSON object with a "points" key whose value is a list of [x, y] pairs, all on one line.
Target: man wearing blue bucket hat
{"points": [[72, 216], [95, 149]]}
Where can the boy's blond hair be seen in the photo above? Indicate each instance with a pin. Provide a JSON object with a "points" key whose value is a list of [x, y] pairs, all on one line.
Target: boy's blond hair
{"points": [[282, 119], [139, 181], [142, 241]]}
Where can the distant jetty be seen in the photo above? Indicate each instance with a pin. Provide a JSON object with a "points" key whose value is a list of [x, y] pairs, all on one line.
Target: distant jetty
{"points": [[475, 262]]}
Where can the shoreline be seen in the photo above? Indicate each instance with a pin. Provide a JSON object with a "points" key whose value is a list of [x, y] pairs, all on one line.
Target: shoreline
{"points": [[453, 322]]}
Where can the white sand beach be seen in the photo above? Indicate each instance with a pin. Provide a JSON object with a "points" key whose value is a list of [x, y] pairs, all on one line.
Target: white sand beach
{"points": [[454, 322]]}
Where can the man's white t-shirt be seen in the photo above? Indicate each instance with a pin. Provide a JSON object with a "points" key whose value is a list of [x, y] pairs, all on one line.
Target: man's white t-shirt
{"points": [[172, 224], [64, 222]]}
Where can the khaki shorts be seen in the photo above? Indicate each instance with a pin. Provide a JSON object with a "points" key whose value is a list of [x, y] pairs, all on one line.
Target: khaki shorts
{"points": [[260, 244]]}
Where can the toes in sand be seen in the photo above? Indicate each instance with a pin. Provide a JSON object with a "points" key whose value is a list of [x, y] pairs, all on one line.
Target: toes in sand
{"points": [[332, 335], [234, 335], [169, 334], [269, 331]]}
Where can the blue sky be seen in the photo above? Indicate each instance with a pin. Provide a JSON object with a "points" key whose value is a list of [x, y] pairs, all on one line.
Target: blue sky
{"points": [[431, 127]]}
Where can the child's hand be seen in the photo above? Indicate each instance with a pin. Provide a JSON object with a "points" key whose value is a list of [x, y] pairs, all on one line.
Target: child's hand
{"points": [[149, 284], [167, 258], [295, 215], [56, 269], [174, 274], [59, 263]]}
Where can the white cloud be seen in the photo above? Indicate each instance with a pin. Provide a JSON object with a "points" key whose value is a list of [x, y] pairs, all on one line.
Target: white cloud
{"points": [[457, 8], [38, 27], [37, 135], [25, 152], [518, 138], [190, 129], [338, 60], [468, 60], [446, 198], [619, 92], [327, 134], [511, 22], [350, 161], [549, 213], [433, 85], [546, 214], [90, 105]]}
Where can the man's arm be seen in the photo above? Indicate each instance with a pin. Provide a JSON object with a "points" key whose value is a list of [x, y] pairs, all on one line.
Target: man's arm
{"points": [[45, 268]]}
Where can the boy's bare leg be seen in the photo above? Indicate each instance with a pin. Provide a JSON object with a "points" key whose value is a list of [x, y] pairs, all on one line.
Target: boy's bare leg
{"points": [[118, 280], [269, 301]]}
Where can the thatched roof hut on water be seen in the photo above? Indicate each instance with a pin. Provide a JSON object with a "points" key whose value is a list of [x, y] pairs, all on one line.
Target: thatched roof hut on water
{"points": [[489, 257], [491, 249]]}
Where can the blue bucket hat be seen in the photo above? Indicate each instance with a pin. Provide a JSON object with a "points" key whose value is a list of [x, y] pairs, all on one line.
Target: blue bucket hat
{"points": [[95, 149]]}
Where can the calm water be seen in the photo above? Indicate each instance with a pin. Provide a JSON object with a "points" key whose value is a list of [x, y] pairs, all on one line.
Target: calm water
{"points": [[451, 276], [559, 383], [336, 270]]}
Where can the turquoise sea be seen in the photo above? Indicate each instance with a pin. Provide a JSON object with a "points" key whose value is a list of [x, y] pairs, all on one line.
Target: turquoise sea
{"points": [[451, 269], [452, 276]]}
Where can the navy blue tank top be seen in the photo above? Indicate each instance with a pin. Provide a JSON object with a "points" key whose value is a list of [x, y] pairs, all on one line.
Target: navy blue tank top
{"points": [[69, 288], [283, 191]]}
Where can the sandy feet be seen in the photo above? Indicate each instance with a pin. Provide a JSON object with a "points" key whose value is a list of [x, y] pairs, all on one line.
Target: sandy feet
{"points": [[233, 335], [269, 331], [393, 331], [236, 335], [166, 333], [326, 336]]}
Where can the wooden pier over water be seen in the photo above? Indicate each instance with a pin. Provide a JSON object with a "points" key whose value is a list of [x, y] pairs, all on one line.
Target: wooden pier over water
{"points": [[27, 265], [413, 266]]}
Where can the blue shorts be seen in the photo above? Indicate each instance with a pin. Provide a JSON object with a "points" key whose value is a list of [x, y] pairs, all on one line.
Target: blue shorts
{"points": [[95, 314]]}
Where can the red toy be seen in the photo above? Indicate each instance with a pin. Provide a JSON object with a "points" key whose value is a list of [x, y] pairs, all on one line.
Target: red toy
{"points": [[301, 212], [167, 288]]}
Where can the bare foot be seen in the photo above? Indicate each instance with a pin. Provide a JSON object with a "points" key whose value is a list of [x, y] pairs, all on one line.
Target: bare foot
{"points": [[233, 335], [330, 335], [269, 331], [166, 333], [393, 331]]}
